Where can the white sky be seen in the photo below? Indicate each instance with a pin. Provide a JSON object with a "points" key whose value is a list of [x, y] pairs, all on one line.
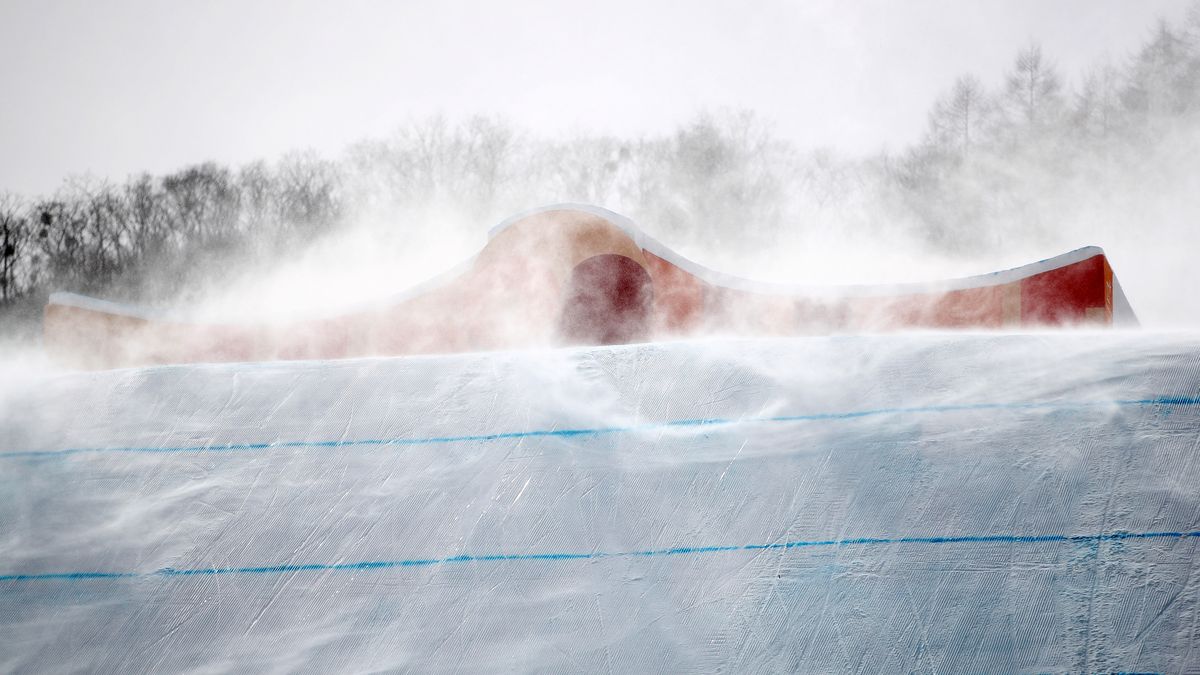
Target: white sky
{"points": [[121, 86]]}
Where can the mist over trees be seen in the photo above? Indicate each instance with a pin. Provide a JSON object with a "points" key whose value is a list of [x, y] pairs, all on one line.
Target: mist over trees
{"points": [[998, 162]]}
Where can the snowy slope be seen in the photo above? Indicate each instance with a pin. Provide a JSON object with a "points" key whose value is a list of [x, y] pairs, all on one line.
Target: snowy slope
{"points": [[951, 503]]}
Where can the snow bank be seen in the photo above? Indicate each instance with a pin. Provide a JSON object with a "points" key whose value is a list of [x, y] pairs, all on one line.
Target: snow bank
{"points": [[934, 502]]}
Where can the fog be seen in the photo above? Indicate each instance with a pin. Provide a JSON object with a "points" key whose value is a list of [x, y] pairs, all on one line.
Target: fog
{"points": [[1041, 154]]}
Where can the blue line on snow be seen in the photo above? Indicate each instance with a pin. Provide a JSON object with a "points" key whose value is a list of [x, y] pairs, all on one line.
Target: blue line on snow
{"points": [[1177, 401], [523, 557]]}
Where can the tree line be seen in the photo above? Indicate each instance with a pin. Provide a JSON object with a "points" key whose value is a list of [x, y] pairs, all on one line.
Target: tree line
{"points": [[1008, 161], [995, 162]]}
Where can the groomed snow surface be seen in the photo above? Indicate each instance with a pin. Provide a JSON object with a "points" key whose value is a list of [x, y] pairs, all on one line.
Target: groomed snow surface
{"points": [[934, 503]]}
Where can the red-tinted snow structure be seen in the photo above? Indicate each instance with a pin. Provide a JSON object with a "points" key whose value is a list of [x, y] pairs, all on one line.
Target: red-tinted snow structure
{"points": [[574, 274]]}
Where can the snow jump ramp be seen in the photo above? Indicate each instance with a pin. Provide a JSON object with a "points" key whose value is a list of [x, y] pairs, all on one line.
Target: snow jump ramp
{"points": [[932, 503], [579, 274]]}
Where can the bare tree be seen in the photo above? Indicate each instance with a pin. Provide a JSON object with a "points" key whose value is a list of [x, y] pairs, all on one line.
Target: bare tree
{"points": [[202, 202], [1097, 106], [308, 193], [489, 147], [1033, 89], [60, 239], [1164, 77], [14, 235], [958, 118]]}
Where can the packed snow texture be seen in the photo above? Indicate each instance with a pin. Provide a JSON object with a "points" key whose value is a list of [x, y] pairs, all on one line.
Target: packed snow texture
{"points": [[950, 503]]}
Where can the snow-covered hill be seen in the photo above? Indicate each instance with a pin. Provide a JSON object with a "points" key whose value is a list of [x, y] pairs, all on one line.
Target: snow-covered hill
{"points": [[951, 503]]}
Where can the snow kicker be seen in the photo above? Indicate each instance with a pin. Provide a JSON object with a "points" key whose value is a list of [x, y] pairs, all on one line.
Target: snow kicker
{"points": [[576, 274]]}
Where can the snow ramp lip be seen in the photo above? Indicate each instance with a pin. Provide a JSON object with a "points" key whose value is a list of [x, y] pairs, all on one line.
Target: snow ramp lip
{"points": [[1173, 401]]}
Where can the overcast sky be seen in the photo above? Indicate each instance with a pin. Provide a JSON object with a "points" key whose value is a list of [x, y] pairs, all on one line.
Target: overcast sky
{"points": [[121, 86]]}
